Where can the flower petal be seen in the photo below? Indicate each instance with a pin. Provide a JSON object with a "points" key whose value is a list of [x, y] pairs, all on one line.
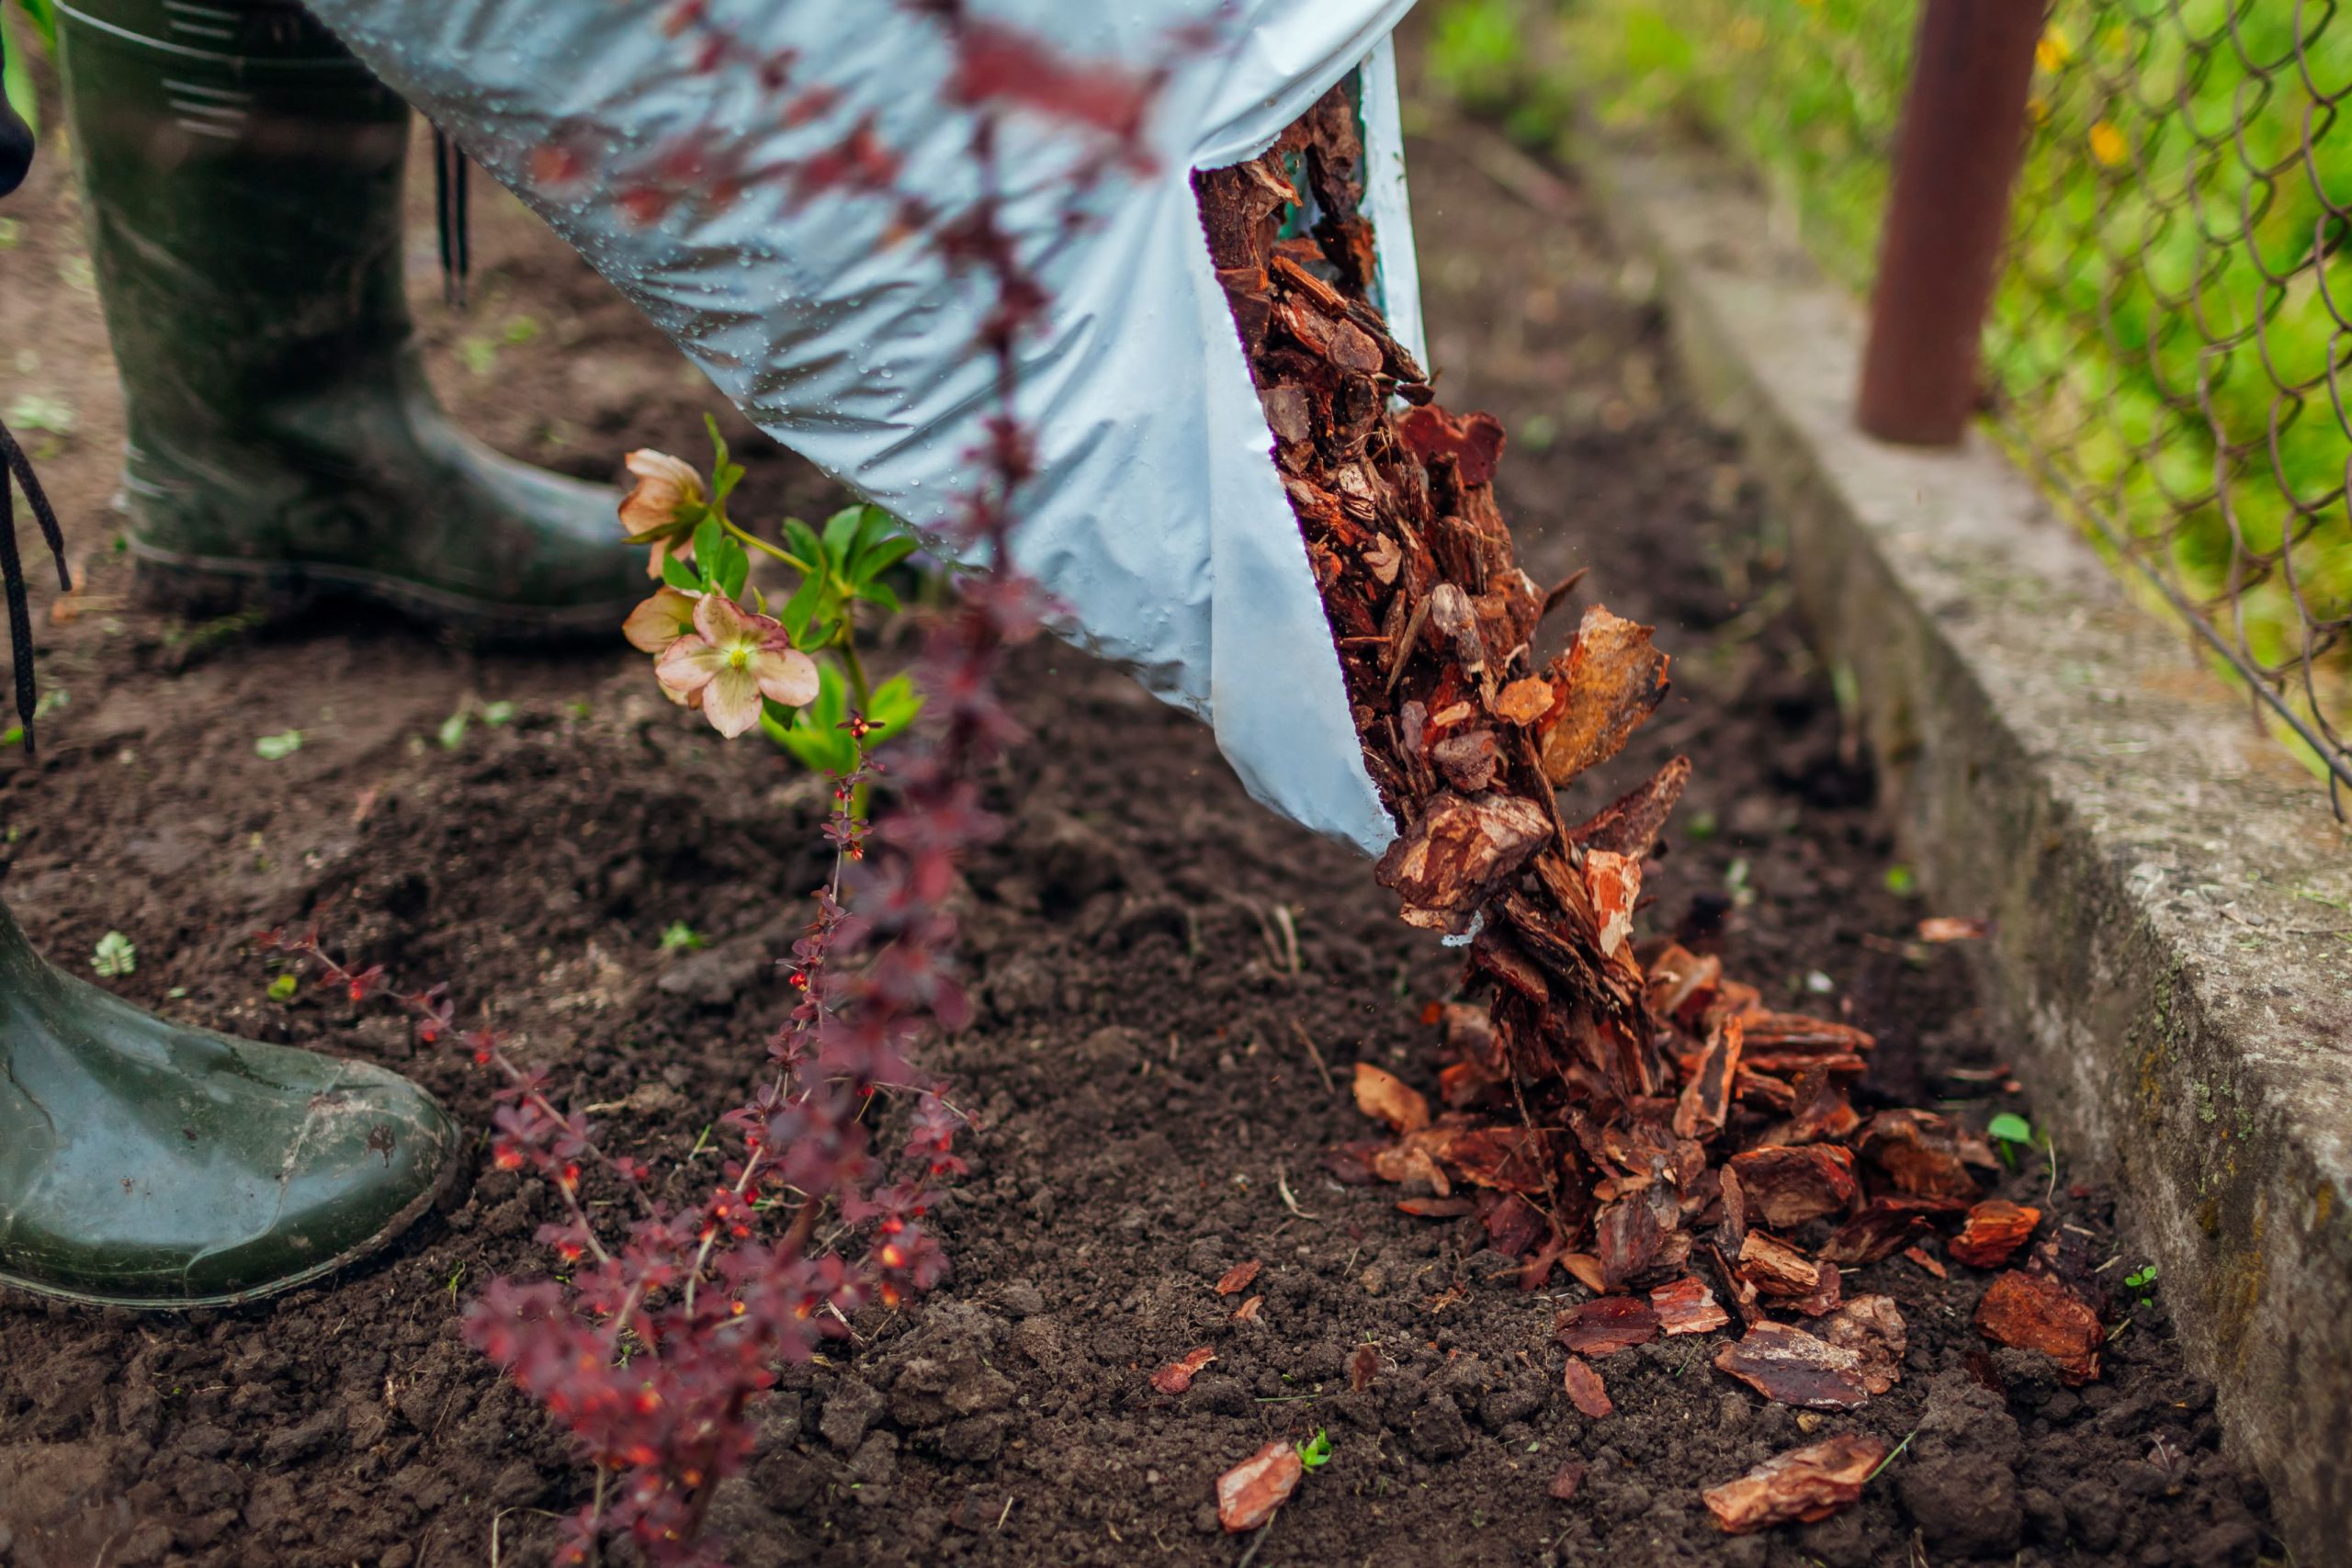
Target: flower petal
{"points": [[661, 620], [665, 486], [722, 621], [785, 674], [689, 665], [731, 702], [682, 547]]}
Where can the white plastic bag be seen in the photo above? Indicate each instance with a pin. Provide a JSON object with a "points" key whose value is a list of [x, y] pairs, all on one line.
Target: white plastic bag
{"points": [[1158, 521]]}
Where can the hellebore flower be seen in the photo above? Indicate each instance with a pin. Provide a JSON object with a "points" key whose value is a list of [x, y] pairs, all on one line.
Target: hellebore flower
{"points": [[661, 620], [664, 506], [731, 660]]}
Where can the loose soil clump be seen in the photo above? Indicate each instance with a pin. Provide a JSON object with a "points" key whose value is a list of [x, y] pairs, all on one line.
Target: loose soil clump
{"points": [[1175, 990]]}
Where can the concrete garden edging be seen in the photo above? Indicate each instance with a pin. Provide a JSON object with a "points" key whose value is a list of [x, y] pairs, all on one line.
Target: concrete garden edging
{"points": [[2171, 896]]}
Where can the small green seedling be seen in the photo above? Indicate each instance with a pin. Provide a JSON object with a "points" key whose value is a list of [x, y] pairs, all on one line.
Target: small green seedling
{"points": [[679, 937], [282, 989], [114, 956], [1315, 1452], [2143, 1281], [1901, 881], [54, 416], [2007, 1131], [452, 732], [277, 748], [50, 700]]}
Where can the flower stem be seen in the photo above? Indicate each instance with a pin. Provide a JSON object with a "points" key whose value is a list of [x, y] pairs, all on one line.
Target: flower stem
{"points": [[744, 536], [846, 641]]}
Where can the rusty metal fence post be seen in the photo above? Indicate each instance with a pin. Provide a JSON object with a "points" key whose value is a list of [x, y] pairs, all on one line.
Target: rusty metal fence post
{"points": [[1962, 136]]}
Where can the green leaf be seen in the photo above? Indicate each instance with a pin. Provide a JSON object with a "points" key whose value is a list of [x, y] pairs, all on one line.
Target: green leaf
{"points": [[813, 736], [522, 329], [884, 554], [679, 937], [802, 541], [733, 569], [880, 594], [2010, 1127], [496, 713], [841, 531], [797, 610], [277, 748], [282, 989], [16, 86], [1901, 881], [708, 535], [452, 733], [894, 705], [819, 752], [1315, 1452], [44, 20], [832, 704], [681, 576], [114, 956]]}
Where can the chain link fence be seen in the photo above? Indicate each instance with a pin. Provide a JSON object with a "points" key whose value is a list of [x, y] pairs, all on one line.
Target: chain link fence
{"points": [[2170, 348]]}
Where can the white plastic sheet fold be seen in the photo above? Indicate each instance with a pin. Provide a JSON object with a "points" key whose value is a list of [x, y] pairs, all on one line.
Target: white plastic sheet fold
{"points": [[1158, 521]]}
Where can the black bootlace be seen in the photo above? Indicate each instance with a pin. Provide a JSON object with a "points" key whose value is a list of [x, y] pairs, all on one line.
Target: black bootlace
{"points": [[449, 205], [15, 467]]}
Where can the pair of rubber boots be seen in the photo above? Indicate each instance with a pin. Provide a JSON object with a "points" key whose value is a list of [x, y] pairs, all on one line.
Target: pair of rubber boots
{"points": [[243, 177]]}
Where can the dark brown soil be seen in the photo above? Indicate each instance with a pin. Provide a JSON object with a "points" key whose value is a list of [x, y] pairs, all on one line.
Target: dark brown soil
{"points": [[1150, 1114]]}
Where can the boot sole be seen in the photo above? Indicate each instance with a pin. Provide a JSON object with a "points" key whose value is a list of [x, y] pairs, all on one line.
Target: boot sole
{"points": [[393, 1231], [203, 586]]}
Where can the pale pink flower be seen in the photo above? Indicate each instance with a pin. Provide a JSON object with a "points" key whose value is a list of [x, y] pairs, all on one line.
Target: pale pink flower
{"points": [[661, 620], [731, 660], [664, 506]]}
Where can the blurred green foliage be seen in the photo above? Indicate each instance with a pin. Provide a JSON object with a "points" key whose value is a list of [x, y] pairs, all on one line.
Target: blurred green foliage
{"points": [[2165, 338], [17, 76]]}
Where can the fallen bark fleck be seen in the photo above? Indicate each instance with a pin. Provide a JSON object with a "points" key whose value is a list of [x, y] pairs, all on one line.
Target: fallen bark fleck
{"points": [[1879, 1230], [1585, 1389], [1871, 1327], [1775, 1269], [1247, 1494], [1687, 1307], [1789, 1185], [1178, 1375], [1236, 1279], [1794, 1368], [1799, 1486], [1994, 1229], [1605, 1326], [1382, 1094], [2034, 1312]]}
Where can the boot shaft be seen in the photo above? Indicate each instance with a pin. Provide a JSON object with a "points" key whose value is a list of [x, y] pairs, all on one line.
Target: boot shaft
{"points": [[243, 176]]}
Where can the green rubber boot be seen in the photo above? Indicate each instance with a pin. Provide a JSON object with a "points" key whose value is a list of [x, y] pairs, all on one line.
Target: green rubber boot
{"points": [[146, 1165], [242, 175]]}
